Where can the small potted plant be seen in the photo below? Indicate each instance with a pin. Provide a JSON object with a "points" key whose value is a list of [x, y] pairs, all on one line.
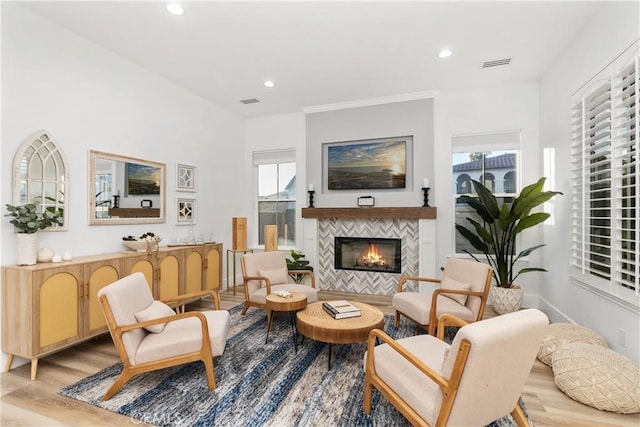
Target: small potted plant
{"points": [[495, 237], [27, 220], [296, 261]]}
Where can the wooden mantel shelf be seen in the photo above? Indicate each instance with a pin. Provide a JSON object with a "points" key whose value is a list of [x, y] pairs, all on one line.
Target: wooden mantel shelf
{"points": [[392, 213]]}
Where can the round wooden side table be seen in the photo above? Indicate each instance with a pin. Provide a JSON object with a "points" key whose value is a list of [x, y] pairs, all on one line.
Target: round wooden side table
{"points": [[296, 301]]}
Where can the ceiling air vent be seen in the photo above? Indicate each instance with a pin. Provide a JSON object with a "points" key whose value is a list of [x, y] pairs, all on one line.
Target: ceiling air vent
{"points": [[250, 101], [496, 63]]}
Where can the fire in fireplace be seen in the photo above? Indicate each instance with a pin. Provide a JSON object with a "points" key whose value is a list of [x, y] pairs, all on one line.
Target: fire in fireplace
{"points": [[368, 254]]}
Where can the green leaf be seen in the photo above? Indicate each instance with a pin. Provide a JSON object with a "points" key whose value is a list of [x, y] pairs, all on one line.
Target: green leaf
{"points": [[477, 205], [472, 238], [526, 252], [487, 199], [505, 220], [530, 221], [481, 231], [530, 269]]}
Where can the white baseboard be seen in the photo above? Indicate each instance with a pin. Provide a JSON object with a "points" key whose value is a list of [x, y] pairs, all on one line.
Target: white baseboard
{"points": [[552, 312]]}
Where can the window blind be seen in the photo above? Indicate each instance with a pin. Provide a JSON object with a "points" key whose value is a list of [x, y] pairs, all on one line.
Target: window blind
{"points": [[273, 156], [604, 180]]}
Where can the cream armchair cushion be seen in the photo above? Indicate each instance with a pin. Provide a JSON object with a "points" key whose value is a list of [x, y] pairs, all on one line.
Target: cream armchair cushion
{"points": [[463, 291], [481, 374], [276, 277], [185, 337], [155, 310], [266, 272]]}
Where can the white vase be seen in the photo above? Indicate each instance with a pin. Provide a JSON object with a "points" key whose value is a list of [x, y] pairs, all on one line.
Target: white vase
{"points": [[27, 248], [506, 300]]}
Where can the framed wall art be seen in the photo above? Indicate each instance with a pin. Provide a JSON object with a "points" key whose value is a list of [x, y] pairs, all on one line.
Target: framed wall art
{"points": [[185, 211], [142, 180], [366, 165], [185, 177]]}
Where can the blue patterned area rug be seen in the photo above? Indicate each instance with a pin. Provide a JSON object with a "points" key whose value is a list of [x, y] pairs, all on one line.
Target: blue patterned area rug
{"points": [[258, 384]]}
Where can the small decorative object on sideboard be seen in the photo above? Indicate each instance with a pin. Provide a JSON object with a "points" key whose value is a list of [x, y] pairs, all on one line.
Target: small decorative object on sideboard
{"points": [[148, 242], [27, 220], [45, 254]]}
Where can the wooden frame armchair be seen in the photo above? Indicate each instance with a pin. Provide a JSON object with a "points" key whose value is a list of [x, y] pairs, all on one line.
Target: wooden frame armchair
{"points": [[463, 292], [266, 272], [149, 335], [474, 381]]}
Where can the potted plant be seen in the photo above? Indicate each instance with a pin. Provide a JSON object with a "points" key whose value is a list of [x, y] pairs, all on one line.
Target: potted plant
{"points": [[27, 219], [495, 237], [295, 261]]}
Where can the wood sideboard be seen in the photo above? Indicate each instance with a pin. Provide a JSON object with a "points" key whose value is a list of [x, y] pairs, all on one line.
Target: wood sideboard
{"points": [[51, 306]]}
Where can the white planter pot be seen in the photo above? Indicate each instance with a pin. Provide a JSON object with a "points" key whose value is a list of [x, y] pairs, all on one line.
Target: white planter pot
{"points": [[27, 248], [506, 300]]}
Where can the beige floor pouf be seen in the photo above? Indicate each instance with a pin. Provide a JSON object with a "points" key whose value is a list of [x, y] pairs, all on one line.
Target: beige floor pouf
{"points": [[598, 377], [559, 334]]}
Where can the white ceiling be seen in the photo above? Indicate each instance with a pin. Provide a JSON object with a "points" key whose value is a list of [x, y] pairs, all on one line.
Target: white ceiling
{"points": [[327, 52]]}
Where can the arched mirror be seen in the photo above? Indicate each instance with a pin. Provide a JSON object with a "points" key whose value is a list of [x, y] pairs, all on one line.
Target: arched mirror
{"points": [[40, 175], [125, 190]]}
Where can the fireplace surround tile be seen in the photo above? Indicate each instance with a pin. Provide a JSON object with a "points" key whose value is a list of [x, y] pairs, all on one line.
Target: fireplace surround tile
{"points": [[365, 282]]}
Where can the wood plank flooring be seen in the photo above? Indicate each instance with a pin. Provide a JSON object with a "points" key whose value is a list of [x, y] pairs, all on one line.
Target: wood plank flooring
{"points": [[36, 403]]}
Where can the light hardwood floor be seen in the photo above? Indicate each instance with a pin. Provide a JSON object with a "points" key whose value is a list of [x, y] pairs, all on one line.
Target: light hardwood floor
{"points": [[36, 403]]}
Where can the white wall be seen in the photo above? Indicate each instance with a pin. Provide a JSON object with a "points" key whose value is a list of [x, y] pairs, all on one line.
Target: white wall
{"points": [[89, 98], [486, 111], [612, 31]]}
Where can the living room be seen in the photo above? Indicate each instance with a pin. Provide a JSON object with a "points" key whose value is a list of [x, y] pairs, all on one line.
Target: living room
{"points": [[92, 98]]}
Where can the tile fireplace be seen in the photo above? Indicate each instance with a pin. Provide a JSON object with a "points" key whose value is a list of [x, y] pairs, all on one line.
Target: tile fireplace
{"points": [[413, 229]]}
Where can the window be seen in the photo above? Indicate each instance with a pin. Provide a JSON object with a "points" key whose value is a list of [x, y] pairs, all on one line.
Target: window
{"points": [[276, 171], [492, 159], [605, 187]]}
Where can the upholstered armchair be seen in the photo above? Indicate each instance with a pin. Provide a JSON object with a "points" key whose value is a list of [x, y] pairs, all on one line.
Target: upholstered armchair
{"points": [[266, 272], [463, 291], [149, 335], [474, 381]]}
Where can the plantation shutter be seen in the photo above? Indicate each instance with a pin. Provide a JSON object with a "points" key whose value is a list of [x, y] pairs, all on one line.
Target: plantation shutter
{"points": [[626, 197], [605, 186], [592, 179]]}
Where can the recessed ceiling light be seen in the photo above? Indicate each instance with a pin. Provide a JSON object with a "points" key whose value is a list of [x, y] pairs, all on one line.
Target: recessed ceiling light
{"points": [[269, 83], [175, 9], [445, 53]]}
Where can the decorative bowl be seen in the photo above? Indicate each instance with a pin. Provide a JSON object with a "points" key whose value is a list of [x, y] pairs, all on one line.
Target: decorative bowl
{"points": [[142, 245]]}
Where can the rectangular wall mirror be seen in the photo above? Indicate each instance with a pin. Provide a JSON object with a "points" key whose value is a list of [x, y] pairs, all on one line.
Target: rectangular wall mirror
{"points": [[125, 190]]}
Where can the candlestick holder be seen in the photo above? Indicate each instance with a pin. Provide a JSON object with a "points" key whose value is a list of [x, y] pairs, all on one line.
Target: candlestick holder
{"points": [[311, 192], [425, 190]]}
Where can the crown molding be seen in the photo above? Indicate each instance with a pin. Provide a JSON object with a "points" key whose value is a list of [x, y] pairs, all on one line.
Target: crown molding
{"points": [[427, 94]]}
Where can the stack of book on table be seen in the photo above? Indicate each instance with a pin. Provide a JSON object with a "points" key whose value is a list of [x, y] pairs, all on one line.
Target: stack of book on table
{"points": [[341, 309]]}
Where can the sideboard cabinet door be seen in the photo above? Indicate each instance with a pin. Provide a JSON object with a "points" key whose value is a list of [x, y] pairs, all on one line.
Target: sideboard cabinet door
{"points": [[58, 296], [98, 275], [213, 271]]}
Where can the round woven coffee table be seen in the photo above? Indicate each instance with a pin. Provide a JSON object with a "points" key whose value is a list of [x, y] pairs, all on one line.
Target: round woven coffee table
{"points": [[296, 301], [313, 322]]}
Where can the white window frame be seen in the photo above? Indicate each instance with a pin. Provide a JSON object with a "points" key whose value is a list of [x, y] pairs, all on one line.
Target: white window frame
{"points": [[273, 157], [604, 133], [507, 140]]}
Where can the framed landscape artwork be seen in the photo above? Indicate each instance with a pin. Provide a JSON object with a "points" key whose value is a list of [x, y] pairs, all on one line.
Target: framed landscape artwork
{"points": [[366, 165], [143, 179]]}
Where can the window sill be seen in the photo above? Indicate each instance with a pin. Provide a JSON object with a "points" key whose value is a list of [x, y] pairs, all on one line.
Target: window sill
{"points": [[633, 307]]}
